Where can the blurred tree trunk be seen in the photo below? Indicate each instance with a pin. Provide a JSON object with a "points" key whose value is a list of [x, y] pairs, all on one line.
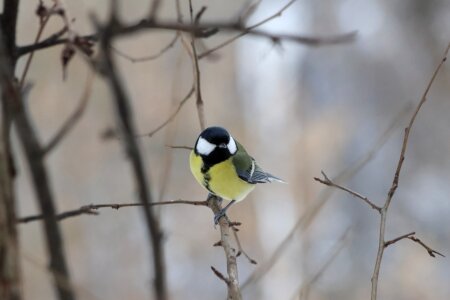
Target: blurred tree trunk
{"points": [[10, 279], [9, 252]]}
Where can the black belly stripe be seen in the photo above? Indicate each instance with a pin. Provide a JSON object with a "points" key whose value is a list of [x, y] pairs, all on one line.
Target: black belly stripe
{"points": [[206, 176]]}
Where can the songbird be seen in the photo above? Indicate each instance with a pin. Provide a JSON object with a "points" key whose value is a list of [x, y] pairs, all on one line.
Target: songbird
{"points": [[222, 166]]}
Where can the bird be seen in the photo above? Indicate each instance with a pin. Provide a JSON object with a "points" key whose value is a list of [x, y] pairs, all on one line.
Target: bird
{"points": [[222, 166]]}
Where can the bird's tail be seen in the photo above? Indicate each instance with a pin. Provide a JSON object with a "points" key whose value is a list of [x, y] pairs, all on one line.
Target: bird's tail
{"points": [[271, 178]]}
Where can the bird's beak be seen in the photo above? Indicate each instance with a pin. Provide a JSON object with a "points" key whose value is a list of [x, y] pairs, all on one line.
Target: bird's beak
{"points": [[223, 146]]}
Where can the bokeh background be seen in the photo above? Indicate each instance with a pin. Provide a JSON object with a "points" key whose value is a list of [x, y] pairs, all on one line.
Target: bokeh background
{"points": [[298, 110]]}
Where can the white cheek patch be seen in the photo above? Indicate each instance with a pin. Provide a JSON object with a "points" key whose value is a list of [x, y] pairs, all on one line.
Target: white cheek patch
{"points": [[232, 146], [204, 147]]}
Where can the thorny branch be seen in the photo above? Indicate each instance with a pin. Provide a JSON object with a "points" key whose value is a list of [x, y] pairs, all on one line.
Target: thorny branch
{"points": [[382, 244]]}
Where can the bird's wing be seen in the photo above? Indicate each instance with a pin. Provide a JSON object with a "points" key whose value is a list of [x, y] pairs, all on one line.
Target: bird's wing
{"points": [[248, 170]]}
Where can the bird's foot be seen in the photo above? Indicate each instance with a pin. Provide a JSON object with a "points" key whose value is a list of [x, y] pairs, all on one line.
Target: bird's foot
{"points": [[221, 213]]}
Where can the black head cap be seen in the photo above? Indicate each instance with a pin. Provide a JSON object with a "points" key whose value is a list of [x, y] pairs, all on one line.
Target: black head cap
{"points": [[215, 145]]}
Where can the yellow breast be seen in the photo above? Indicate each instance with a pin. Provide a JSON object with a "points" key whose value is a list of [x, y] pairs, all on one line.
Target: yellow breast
{"points": [[221, 179]]}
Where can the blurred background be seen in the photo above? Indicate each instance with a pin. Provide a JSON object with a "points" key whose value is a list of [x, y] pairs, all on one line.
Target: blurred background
{"points": [[298, 110]]}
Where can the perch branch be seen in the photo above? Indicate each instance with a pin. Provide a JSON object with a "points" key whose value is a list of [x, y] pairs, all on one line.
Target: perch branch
{"points": [[234, 292]]}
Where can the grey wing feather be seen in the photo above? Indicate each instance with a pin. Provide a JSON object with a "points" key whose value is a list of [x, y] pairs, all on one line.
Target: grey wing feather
{"points": [[255, 175]]}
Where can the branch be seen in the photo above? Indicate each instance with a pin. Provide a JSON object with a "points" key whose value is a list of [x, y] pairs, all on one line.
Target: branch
{"points": [[91, 209], [44, 195], [198, 92], [245, 16], [306, 218], [384, 209], [203, 30], [393, 241], [412, 237], [125, 120], [149, 57], [234, 292], [171, 117], [240, 249], [73, 119], [430, 251], [328, 182]]}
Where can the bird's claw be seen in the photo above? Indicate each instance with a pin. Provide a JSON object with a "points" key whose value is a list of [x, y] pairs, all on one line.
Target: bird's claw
{"points": [[218, 215]]}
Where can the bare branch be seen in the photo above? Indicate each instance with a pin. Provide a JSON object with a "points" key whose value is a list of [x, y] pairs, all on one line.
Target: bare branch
{"points": [[242, 19], [305, 219], [44, 195], [411, 236], [234, 292], [240, 249], [198, 92], [74, 118], [202, 30], [430, 251], [220, 275], [149, 57], [384, 209], [393, 241], [42, 24], [125, 120], [328, 182], [171, 117], [181, 147], [91, 209]]}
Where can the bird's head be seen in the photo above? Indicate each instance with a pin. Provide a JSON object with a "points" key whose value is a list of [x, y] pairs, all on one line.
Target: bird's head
{"points": [[215, 144]]}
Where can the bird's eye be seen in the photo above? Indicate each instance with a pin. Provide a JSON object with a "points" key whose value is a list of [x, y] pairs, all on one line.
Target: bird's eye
{"points": [[223, 145]]}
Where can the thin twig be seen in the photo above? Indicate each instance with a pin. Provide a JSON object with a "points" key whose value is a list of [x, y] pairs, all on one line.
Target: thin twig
{"points": [[220, 275], [248, 29], [200, 30], [241, 250], [180, 147], [430, 251], [328, 182], [148, 57], [91, 209], [198, 92], [384, 209], [393, 241], [42, 25], [411, 236], [171, 117], [74, 118], [305, 219]]}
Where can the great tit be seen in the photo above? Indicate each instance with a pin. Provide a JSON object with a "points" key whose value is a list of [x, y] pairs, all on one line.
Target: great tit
{"points": [[222, 166]]}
